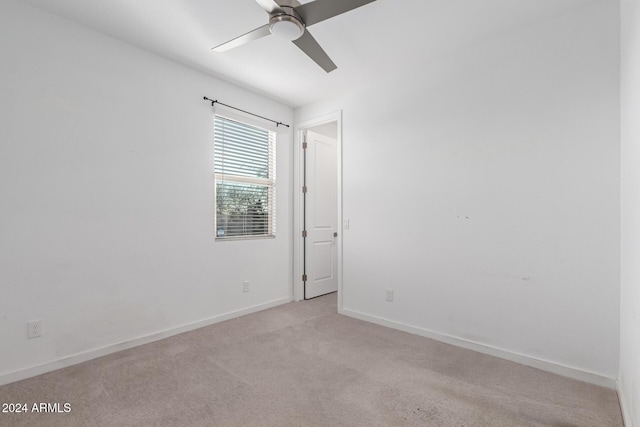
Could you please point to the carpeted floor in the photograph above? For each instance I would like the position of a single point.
(302, 364)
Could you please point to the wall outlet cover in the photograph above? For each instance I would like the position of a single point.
(389, 295)
(34, 329)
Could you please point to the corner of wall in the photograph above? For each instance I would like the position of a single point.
(626, 415)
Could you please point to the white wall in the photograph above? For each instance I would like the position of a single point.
(483, 188)
(106, 197)
(630, 192)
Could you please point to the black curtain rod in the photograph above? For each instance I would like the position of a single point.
(215, 101)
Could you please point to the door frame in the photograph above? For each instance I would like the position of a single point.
(298, 202)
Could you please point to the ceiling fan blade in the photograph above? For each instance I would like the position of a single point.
(319, 10)
(269, 5)
(310, 46)
(245, 38)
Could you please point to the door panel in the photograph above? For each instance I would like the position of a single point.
(321, 215)
(323, 257)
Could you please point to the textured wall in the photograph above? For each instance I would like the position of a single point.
(106, 194)
(630, 158)
(484, 189)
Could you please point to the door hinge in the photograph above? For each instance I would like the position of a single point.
(304, 145)
(304, 277)
(304, 189)
(304, 233)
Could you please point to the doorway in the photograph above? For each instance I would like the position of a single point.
(319, 218)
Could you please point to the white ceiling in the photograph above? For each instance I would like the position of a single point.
(368, 43)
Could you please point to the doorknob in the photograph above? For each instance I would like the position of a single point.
(335, 234)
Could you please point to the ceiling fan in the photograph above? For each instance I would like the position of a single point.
(289, 19)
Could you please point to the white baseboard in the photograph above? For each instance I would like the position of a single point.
(522, 359)
(113, 348)
(626, 416)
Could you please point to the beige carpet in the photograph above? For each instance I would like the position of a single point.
(302, 364)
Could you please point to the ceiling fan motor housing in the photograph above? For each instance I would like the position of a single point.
(286, 23)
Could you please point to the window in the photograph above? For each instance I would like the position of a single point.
(244, 180)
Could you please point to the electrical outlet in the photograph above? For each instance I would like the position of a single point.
(34, 329)
(245, 286)
(389, 295)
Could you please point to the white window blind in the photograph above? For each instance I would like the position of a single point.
(244, 180)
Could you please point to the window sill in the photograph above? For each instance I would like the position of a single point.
(236, 238)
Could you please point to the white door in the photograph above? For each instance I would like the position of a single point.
(321, 215)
